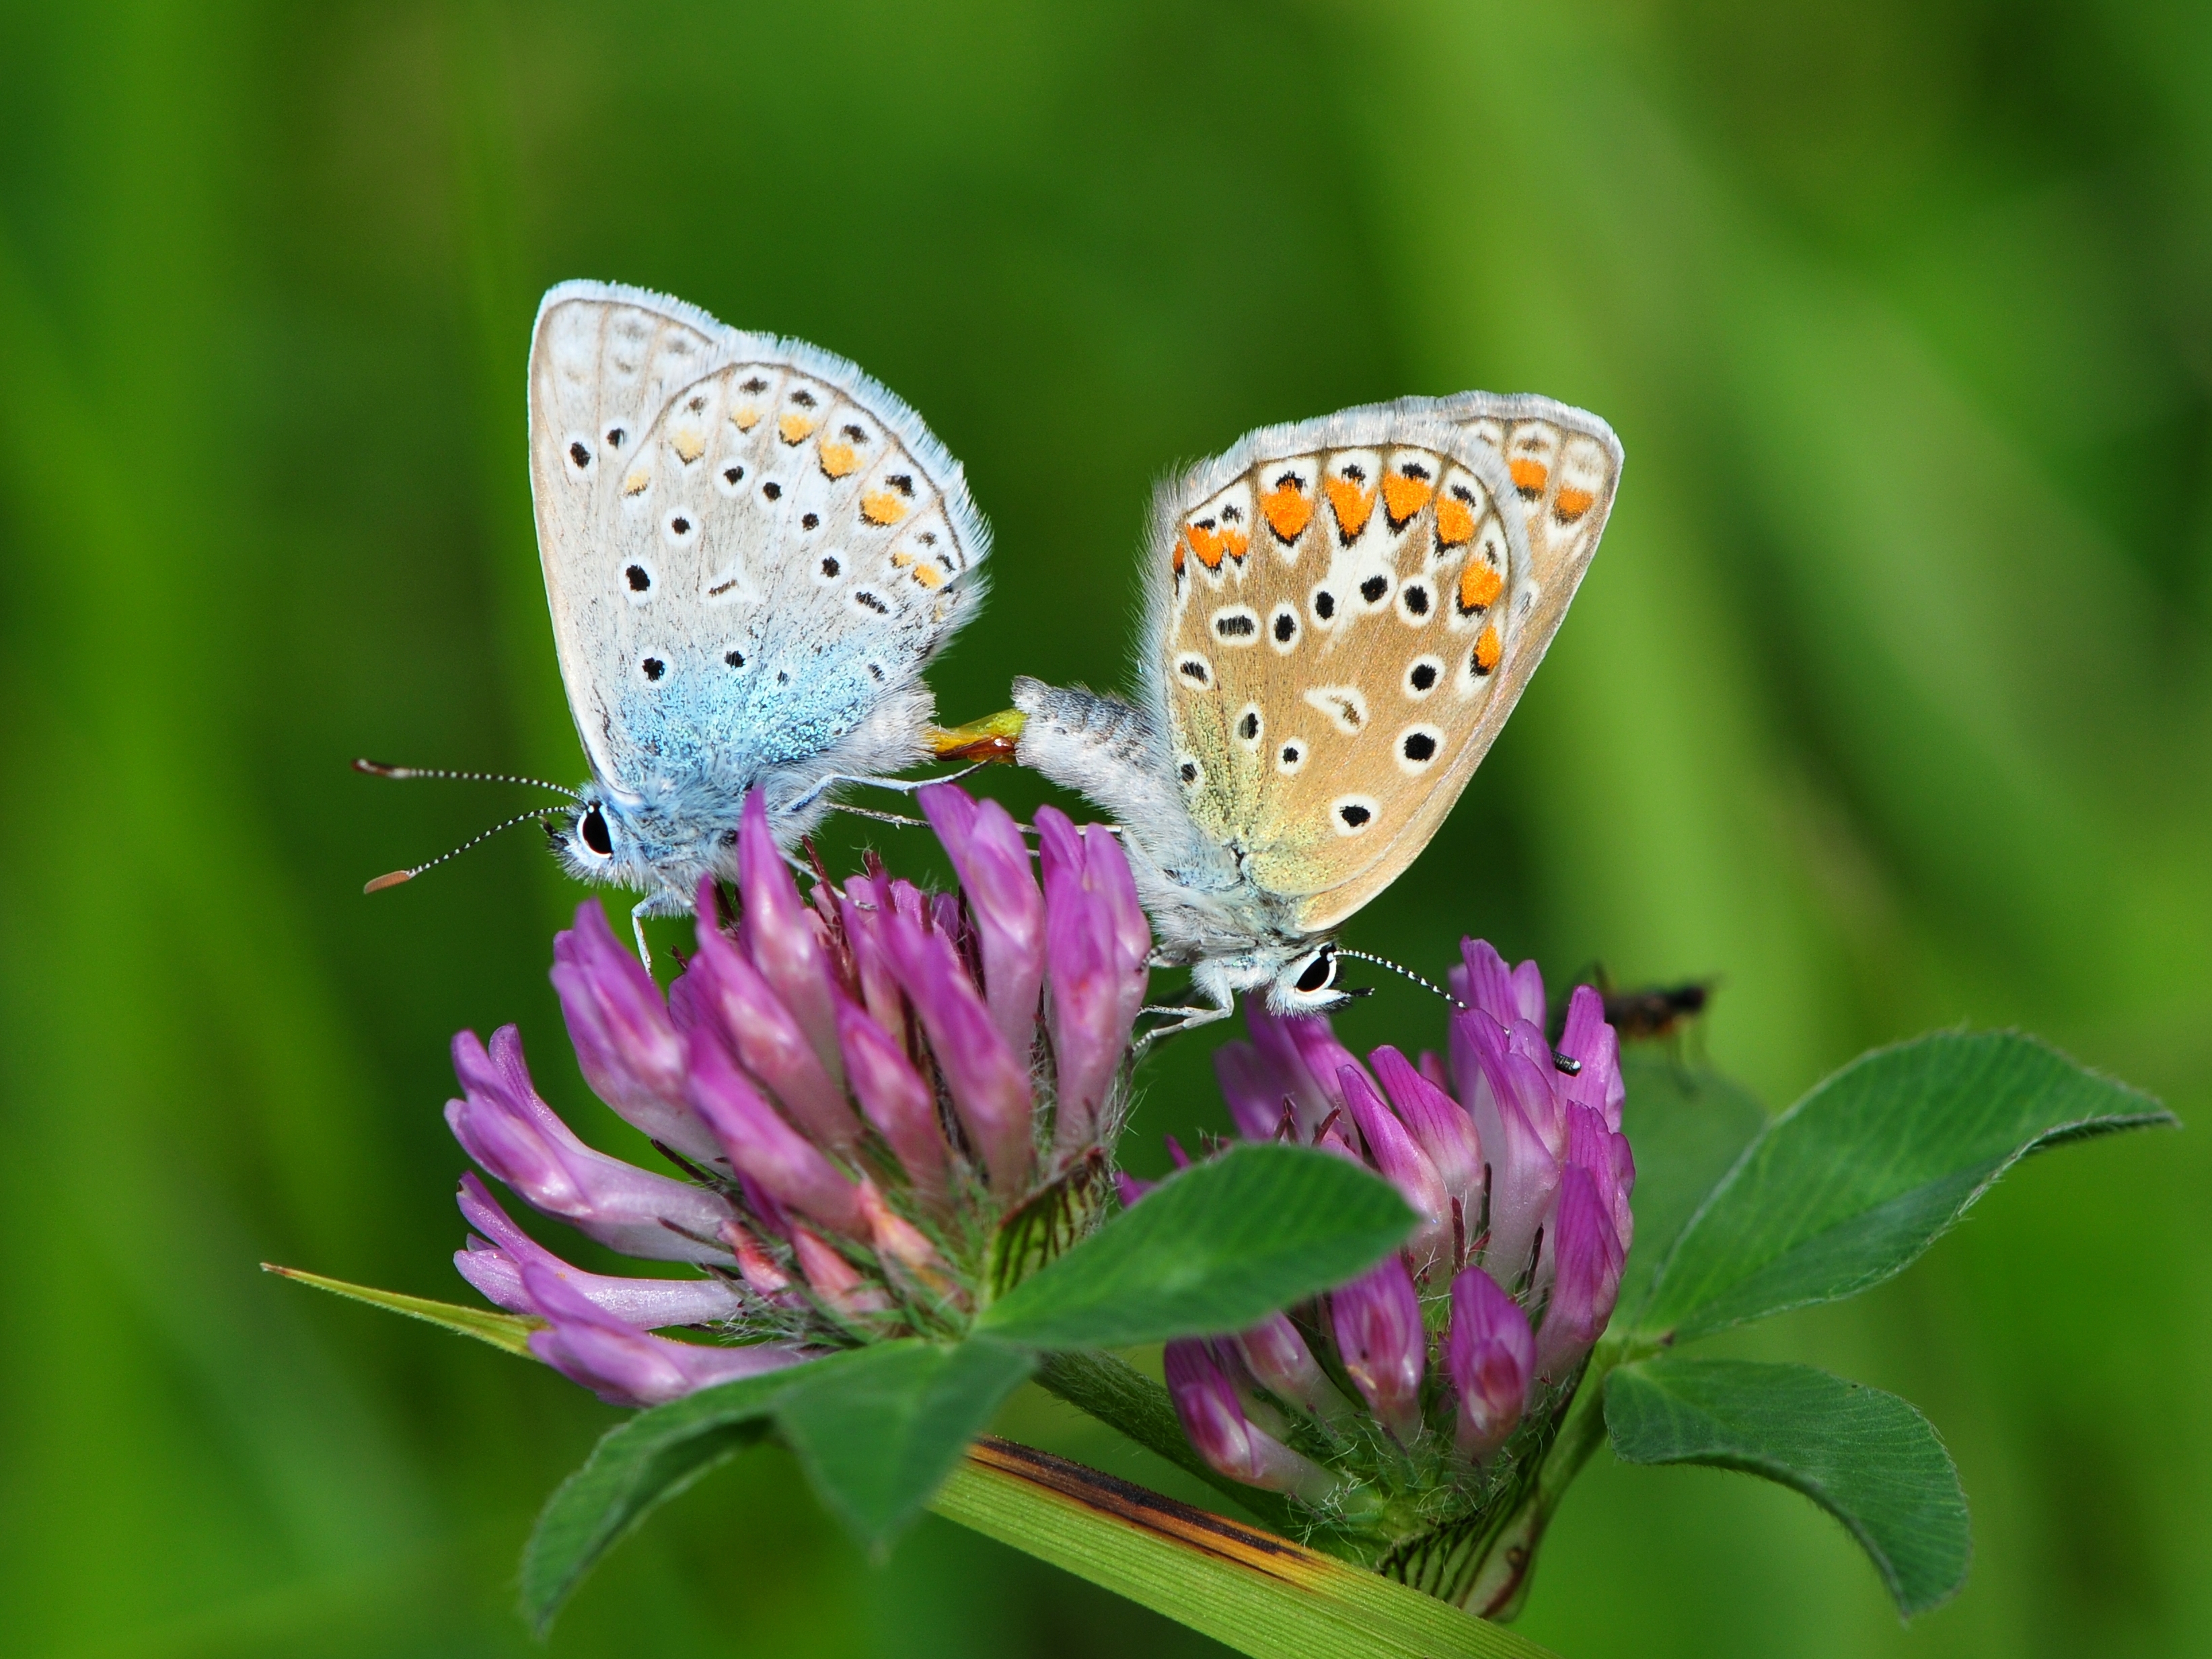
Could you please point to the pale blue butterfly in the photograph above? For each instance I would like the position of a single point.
(751, 549)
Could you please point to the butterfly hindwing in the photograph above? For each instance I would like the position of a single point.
(748, 544)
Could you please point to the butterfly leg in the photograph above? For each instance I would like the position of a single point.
(1220, 1001)
(1179, 1020)
(896, 786)
(899, 818)
(637, 927)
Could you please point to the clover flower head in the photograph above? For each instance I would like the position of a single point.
(869, 1096)
(1427, 1381)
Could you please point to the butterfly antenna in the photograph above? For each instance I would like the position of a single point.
(379, 769)
(398, 876)
(1385, 962)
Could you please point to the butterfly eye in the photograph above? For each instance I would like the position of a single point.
(594, 832)
(1321, 972)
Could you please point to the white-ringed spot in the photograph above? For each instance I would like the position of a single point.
(1283, 628)
(1348, 815)
(678, 528)
(1422, 675)
(1237, 625)
(638, 580)
(1292, 755)
(1250, 728)
(1418, 748)
(1194, 671)
(1416, 604)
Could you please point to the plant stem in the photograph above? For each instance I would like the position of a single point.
(1501, 1584)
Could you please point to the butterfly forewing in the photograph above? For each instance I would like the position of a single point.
(1353, 606)
(746, 543)
(1565, 464)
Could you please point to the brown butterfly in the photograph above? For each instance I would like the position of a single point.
(1341, 615)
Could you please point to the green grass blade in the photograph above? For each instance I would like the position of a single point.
(510, 1332)
(1261, 1595)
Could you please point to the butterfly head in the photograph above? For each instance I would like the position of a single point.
(1306, 983)
(605, 839)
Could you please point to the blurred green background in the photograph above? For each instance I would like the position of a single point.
(1886, 700)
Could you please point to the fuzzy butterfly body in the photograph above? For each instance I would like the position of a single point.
(1342, 613)
(751, 550)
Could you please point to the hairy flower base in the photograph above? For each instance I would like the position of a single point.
(1404, 1415)
(881, 1107)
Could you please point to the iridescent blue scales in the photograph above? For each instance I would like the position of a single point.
(750, 551)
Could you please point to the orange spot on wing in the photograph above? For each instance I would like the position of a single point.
(1455, 522)
(635, 484)
(881, 507)
(1480, 585)
(1529, 476)
(1206, 543)
(745, 418)
(1353, 505)
(689, 447)
(1488, 650)
(1288, 512)
(1178, 555)
(1572, 503)
(794, 427)
(1403, 496)
(837, 459)
(929, 576)
(1234, 542)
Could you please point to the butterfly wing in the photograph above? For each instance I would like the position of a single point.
(1344, 614)
(1564, 465)
(748, 544)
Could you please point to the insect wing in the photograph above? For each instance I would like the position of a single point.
(1345, 612)
(747, 543)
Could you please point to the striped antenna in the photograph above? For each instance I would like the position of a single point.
(1385, 962)
(398, 876)
(380, 769)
